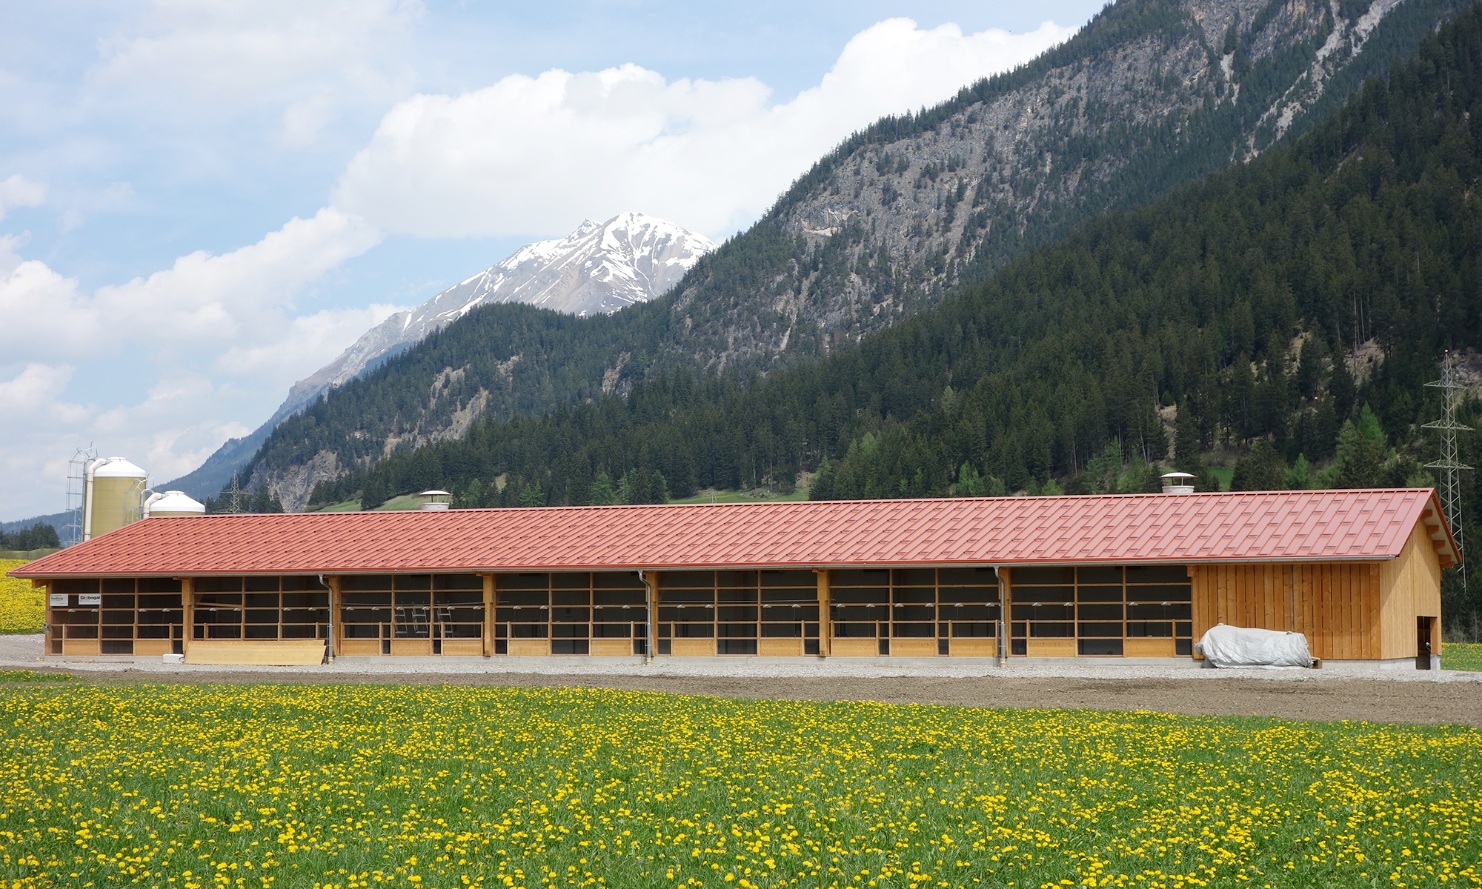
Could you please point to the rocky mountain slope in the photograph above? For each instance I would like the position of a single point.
(1150, 95)
(597, 269)
(1153, 93)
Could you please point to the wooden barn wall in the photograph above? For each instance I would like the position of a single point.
(1410, 588)
(1334, 604)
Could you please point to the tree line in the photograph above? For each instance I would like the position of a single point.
(38, 536)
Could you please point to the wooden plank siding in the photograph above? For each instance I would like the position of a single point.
(1336, 605)
(1411, 588)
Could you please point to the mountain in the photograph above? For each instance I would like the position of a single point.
(1151, 95)
(596, 270)
(1286, 313)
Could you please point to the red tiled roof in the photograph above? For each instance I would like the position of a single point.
(1276, 526)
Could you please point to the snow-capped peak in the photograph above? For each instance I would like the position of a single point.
(597, 269)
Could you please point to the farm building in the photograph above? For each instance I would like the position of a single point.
(1131, 576)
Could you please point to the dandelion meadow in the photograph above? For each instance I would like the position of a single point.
(22, 607)
(1462, 656)
(434, 786)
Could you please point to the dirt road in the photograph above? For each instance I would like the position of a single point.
(1374, 700)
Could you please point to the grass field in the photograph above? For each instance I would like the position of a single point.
(711, 496)
(22, 607)
(1462, 656)
(426, 786)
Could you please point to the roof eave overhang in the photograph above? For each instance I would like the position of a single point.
(729, 566)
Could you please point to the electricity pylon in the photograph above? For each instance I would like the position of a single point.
(1452, 389)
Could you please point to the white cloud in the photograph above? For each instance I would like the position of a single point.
(181, 332)
(170, 432)
(185, 58)
(210, 300)
(43, 311)
(306, 344)
(18, 191)
(203, 301)
(173, 430)
(528, 155)
(38, 387)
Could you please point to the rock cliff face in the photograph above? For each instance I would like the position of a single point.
(1152, 94)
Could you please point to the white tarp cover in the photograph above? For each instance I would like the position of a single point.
(1226, 646)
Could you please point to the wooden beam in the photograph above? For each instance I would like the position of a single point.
(825, 626)
(1003, 576)
(337, 628)
(651, 599)
(488, 628)
(264, 652)
(187, 602)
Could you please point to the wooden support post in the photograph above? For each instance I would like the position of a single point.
(188, 620)
(651, 600)
(1004, 624)
(825, 626)
(336, 622)
(49, 625)
(488, 628)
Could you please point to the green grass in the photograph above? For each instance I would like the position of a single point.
(10, 676)
(412, 501)
(25, 555)
(1462, 656)
(404, 502)
(713, 496)
(429, 786)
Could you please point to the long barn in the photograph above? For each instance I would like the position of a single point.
(1132, 576)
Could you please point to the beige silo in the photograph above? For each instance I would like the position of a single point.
(114, 496)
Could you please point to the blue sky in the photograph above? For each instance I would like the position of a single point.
(202, 202)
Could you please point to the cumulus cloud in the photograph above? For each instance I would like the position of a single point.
(185, 58)
(36, 387)
(209, 299)
(18, 191)
(221, 336)
(44, 312)
(305, 344)
(203, 301)
(529, 154)
(169, 432)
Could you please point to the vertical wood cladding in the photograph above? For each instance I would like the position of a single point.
(1336, 605)
(1412, 589)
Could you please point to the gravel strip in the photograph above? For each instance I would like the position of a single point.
(1375, 695)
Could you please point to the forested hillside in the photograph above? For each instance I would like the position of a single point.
(1152, 94)
(1288, 311)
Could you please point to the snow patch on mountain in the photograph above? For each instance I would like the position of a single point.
(596, 270)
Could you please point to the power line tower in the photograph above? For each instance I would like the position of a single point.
(1452, 389)
(234, 495)
(77, 493)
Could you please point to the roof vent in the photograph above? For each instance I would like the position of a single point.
(436, 501)
(1178, 482)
